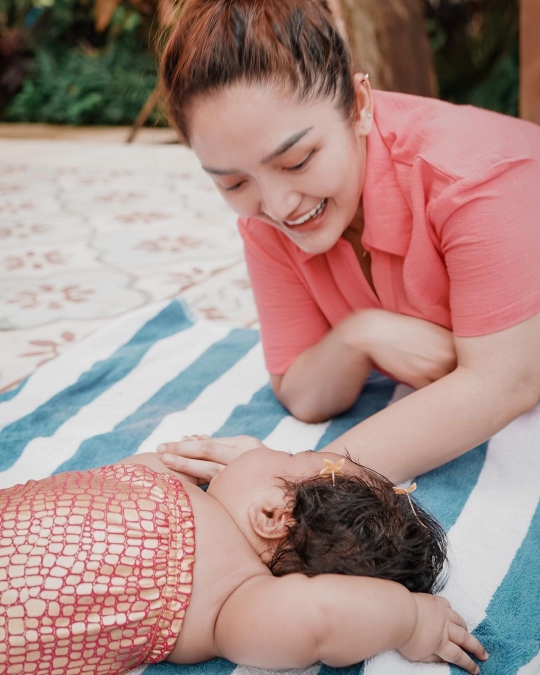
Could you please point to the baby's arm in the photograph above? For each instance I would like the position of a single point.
(295, 621)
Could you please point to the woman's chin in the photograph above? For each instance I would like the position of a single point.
(317, 242)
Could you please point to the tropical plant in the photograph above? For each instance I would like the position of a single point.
(84, 69)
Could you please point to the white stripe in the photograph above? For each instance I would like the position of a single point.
(532, 668)
(65, 370)
(291, 435)
(216, 403)
(496, 517)
(161, 363)
(400, 392)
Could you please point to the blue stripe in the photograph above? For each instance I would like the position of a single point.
(258, 418)
(357, 669)
(444, 491)
(214, 667)
(511, 629)
(174, 396)
(375, 396)
(47, 418)
(8, 395)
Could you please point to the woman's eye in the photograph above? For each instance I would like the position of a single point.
(301, 165)
(234, 187)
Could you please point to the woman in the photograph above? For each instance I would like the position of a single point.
(379, 229)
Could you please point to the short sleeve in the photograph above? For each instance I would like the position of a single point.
(490, 240)
(290, 319)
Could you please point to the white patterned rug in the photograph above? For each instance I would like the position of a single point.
(89, 232)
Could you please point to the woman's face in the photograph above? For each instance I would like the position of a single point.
(299, 167)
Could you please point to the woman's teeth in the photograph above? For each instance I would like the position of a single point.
(312, 214)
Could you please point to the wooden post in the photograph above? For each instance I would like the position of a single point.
(389, 40)
(529, 52)
(144, 114)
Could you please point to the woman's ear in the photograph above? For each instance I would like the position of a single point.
(270, 521)
(364, 104)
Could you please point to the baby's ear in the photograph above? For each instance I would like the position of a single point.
(270, 521)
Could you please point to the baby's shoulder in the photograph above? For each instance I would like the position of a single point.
(224, 560)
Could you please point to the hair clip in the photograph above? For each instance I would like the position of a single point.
(331, 469)
(407, 491)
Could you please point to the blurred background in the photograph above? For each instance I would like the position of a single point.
(93, 228)
(94, 62)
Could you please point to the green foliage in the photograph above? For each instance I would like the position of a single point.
(475, 44)
(78, 76)
(78, 88)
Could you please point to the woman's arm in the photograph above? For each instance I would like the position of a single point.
(293, 622)
(326, 379)
(152, 460)
(496, 380)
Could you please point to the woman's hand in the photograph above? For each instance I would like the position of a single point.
(411, 350)
(440, 634)
(203, 457)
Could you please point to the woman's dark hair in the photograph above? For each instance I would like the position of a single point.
(288, 43)
(361, 526)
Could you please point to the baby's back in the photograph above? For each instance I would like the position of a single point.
(98, 567)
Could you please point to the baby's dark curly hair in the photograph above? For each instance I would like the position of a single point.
(360, 526)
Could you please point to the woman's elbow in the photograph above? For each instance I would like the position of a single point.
(299, 407)
(304, 411)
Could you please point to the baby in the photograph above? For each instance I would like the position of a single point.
(283, 562)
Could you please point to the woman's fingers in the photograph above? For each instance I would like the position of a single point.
(208, 449)
(220, 450)
(196, 468)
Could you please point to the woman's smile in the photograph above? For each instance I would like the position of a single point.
(310, 221)
(294, 166)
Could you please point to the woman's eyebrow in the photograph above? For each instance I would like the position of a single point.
(286, 145)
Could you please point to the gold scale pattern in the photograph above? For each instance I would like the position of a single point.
(95, 571)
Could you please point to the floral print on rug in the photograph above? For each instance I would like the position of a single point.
(89, 232)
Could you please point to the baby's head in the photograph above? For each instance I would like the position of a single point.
(357, 524)
(299, 521)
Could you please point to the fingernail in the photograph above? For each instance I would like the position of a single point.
(161, 448)
(167, 459)
(477, 670)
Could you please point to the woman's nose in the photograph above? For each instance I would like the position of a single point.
(279, 203)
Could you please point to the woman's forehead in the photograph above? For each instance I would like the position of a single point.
(242, 111)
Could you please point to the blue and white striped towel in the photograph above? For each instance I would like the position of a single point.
(156, 375)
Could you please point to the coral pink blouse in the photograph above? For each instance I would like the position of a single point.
(452, 222)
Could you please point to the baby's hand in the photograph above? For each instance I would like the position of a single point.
(440, 634)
